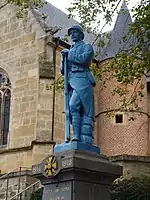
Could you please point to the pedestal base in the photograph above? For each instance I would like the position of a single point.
(81, 175)
(76, 146)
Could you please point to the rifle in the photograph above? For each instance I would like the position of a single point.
(67, 113)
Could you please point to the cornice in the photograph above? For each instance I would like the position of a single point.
(26, 148)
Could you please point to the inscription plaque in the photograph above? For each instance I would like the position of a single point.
(57, 191)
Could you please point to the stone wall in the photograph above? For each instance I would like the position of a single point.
(19, 49)
(11, 159)
(17, 182)
(59, 108)
(22, 42)
(134, 165)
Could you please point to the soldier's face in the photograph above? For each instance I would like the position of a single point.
(75, 35)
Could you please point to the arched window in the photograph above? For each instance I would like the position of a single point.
(5, 97)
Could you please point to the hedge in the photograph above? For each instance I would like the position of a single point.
(131, 188)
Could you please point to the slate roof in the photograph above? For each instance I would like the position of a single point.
(56, 17)
(121, 28)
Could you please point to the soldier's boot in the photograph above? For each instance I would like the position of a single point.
(87, 130)
(76, 125)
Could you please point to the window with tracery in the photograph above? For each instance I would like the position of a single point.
(5, 98)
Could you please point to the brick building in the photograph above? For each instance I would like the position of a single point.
(32, 118)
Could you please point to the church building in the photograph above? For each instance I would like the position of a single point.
(32, 108)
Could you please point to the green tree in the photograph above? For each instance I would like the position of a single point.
(131, 188)
(37, 195)
(24, 5)
(129, 67)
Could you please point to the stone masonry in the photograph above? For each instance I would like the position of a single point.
(22, 42)
(14, 183)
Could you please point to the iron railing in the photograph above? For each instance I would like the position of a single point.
(7, 176)
(25, 194)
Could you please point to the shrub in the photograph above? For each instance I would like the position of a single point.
(37, 195)
(131, 188)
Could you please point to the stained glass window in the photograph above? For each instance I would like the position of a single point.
(5, 98)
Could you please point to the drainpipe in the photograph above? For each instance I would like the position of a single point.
(56, 40)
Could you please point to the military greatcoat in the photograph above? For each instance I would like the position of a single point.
(79, 76)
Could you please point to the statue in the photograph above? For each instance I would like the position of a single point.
(79, 83)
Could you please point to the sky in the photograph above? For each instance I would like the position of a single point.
(64, 4)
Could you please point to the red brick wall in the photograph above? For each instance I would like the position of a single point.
(130, 137)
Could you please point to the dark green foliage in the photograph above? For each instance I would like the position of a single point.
(37, 195)
(129, 67)
(131, 188)
(23, 5)
(90, 12)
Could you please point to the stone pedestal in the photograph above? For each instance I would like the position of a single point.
(79, 175)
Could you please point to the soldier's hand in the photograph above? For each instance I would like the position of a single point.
(65, 52)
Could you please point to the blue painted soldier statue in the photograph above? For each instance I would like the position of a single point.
(80, 85)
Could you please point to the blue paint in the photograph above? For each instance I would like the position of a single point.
(76, 146)
(79, 94)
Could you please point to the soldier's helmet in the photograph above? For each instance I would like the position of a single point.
(76, 27)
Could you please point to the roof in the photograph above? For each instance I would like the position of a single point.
(57, 18)
(120, 30)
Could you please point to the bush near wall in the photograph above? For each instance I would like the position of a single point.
(37, 195)
(131, 188)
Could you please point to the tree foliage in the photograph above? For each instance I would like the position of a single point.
(131, 188)
(23, 5)
(129, 67)
(37, 195)
(90, 12)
